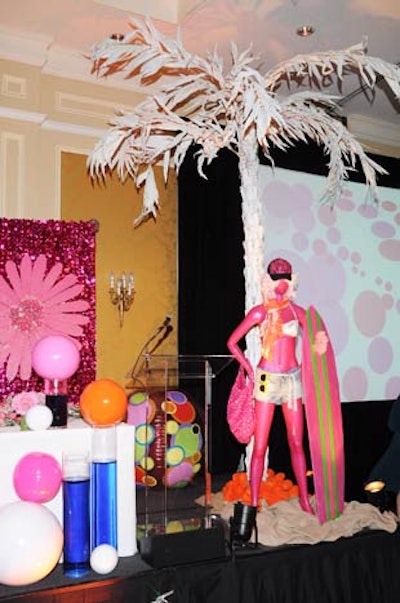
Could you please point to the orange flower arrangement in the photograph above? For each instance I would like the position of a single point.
(273, 489)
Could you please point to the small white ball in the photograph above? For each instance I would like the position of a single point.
(104, 559)
(39, 417)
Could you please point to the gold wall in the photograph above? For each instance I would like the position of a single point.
(147, 250)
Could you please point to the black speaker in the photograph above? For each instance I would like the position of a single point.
(164, 550)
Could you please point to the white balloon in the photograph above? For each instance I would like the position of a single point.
(104, 559)
(31, 543)
(39, 417)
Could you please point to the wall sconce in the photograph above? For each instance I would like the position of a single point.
(122, 291)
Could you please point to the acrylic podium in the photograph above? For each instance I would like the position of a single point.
(170, 406)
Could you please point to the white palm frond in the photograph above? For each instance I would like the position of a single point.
(304, 119)
(150, 195)
(314, 68)
(147, 54)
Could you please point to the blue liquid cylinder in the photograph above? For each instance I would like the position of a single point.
(104, 503)
(76, 523)
(104, 488)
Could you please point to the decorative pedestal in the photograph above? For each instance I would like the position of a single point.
(14, 444)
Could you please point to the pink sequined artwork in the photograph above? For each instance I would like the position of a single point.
(47, 286)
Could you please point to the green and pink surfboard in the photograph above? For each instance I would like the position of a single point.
(324, 421)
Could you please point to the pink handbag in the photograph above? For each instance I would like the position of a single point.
(240, 408)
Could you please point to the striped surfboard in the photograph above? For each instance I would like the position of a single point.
(324, 421)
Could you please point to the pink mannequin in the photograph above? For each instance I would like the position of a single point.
(278, 319)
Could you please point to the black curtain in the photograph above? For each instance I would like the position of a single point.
(211, 282)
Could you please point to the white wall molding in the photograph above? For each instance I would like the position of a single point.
(49, 124)
(75, 129)
(87, 106)
(21, 115)
(172, 11)
(22, 47)
(14, 87)
(12, 174)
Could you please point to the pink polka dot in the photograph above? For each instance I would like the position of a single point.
(343, 253)
(390, 249)
(279, 197)
(300, 241)
(392, 388)
(383, 230)
(368, 211)
(354, 384)
(369, 313)
(319, 246)
(333, 235)
(389, 206)
(346, 203)
(303, 219)
(323, 279)
(388, 301)
(380, 355)
(326, 215)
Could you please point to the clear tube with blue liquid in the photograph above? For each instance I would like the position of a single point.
(103, 480)
(76, 513)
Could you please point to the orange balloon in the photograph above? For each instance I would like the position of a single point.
(103, 402)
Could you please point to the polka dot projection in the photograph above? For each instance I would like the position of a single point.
(73, 245)
(346, 258)
(169, 440)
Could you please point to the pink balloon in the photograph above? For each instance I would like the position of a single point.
(37, 477)
(55, 357)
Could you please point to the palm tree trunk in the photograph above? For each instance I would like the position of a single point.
(253, 243)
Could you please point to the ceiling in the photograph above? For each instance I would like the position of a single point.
(58, 34)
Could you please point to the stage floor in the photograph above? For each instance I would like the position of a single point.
(363, 568)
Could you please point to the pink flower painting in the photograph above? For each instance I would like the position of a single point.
(35, 303)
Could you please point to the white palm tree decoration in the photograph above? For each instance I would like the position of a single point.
(240, 110)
